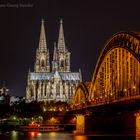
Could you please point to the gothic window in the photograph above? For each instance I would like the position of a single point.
(32, 91)
(57, 89)
(50, 95)
(42, 63)
(62, 63)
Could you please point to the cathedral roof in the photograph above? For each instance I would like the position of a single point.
(48, 76)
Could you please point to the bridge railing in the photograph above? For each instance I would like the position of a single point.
(94, 103)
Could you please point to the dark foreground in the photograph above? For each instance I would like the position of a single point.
(15, 135)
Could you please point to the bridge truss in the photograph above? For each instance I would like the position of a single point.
(117, 73)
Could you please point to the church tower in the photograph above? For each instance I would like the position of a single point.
(61, 56)
(42, 63)
(57, 84)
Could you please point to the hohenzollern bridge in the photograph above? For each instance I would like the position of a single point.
(117, 73)
(115, 83)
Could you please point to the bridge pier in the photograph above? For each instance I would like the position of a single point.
(123, 123)
(137, 115)
(80, 124)
(84, 124)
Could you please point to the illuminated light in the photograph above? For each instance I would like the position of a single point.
(105, 95)
(111, 94)
(134, 87)
(14, 118)
(33, 124)
(101, 97)
(39, 134)
(44, 109)
(40, 117)
(32, 134)
(125, 89)
(53, 120)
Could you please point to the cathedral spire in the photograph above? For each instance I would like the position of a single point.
(61, 40)
(42, 63)
(42, 41)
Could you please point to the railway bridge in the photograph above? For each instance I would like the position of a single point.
(115, 85)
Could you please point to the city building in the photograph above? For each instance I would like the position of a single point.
(16, 99)
(52, 81)
(4, 96)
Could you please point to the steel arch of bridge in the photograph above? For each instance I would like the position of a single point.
(117, 72)
(129, 41)
(81, 96)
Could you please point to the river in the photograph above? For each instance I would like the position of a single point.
(15, 135)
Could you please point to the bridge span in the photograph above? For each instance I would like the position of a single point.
(116, 78)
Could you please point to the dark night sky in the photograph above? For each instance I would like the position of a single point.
(87, 26)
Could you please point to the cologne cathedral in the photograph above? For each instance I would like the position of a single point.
(52, 81)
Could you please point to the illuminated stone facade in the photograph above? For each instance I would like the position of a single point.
(58, 83)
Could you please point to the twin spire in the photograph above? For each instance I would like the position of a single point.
(42, 42)
(61, 40)
(42, 63)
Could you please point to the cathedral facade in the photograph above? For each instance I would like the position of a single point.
(52, 81)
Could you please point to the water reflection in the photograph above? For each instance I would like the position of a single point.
(49, 136)
(33, 134)
(14, 135)
(80, 138)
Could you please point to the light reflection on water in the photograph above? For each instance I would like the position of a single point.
(49, 136)
(14, 135)
(80, 138)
